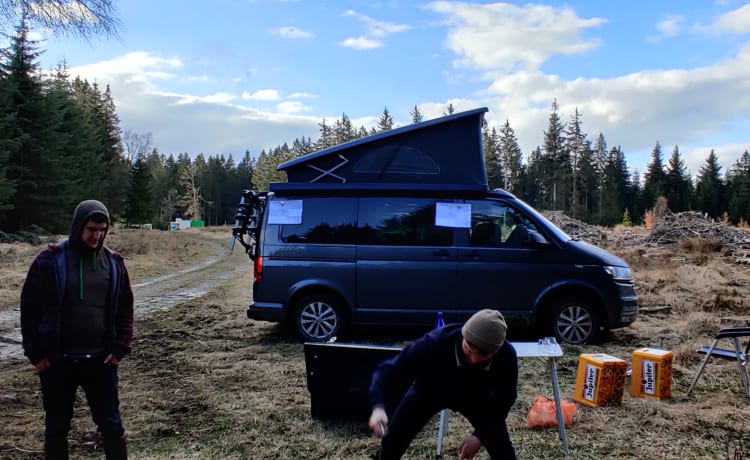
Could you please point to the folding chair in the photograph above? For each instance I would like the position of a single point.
(734, 333)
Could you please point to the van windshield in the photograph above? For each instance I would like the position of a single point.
(561, 235)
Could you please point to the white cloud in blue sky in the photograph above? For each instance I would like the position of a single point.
(233, 75)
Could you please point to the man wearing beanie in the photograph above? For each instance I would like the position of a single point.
(77, 325)
(470, 369)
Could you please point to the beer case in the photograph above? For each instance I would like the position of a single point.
(652, 373)
(600, 379)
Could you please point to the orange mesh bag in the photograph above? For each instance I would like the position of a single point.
(542, 412)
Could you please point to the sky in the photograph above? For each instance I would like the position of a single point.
(221, 77)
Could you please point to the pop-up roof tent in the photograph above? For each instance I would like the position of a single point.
(445, 152)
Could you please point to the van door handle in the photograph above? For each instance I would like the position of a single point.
(442, 253)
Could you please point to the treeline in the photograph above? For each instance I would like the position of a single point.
(61, 142)
(569, 172)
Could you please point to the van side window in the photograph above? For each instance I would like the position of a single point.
(325, 220)
(401, 222)
(497, 225)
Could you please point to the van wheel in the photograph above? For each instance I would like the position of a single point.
(573, 320)
(318, 317)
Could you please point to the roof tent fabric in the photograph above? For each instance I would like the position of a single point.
(442, 151)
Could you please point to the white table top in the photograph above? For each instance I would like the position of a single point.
(531, 350)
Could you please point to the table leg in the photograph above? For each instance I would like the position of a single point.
(558, 406)
(442, 431)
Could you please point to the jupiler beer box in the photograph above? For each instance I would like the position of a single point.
(600, 379)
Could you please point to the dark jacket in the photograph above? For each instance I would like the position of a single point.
(437, 365)
(42, 301)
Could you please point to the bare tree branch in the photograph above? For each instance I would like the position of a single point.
(84, 18)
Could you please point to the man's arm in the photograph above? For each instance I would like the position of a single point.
(508, 384)
(400, 368)
(32, 295)
(123, 314)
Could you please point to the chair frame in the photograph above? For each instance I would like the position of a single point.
(734, 333)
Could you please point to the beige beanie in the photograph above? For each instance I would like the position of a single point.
(486, 330)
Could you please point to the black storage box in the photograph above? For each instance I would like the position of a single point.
(338, 379)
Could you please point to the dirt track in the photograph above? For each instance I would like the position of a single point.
(157, 293)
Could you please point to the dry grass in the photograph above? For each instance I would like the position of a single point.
(205, 382)
(147, 253)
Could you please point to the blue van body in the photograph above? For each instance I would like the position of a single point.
(393, 238)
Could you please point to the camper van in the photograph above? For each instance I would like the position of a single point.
(392, 229)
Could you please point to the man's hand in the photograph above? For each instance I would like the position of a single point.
(378, 421)
(42, 365)
(110, 359)
(469, 447)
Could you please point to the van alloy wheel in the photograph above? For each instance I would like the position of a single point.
(318, 318)
(575, 321)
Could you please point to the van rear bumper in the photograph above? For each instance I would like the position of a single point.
(262, 311)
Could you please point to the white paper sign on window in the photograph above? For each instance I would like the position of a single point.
(453, 215)
(285, 212)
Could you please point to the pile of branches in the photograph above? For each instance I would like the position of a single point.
(575, 228)
(674, 228)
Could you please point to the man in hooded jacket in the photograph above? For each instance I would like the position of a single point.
(77, 325)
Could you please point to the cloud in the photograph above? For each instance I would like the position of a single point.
(292, 32)
(670, 27)
(735, 21)
(217, 98)
(361, 43)
(302, 96)
(505, 36)
(634, 110)
(262, 95)
(376, 30)
(213, 124)
(292, 107)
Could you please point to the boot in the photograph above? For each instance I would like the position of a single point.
(114, 448)
(56, 448)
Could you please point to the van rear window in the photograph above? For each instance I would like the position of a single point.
(325, 220)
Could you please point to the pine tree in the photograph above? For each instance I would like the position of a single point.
(581, 164)
(556, 173)
(35, 165)
(511, 159)
(655, 178)
(416, 115)
(678, 188)
(327, 136)
(614, 182)
(738, 188)
(710, 188)
(535, 192)
(492, 159)
(139, 207)
(9, 144)
(385, 122)
(343, 131)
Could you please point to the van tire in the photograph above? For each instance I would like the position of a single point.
(318, 317)
(573, 320)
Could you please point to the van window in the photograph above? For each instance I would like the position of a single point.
(401, 222)
(325, 220)
(496, 224)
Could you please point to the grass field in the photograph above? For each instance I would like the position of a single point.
(204, 382)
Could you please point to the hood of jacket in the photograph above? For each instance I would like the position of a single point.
(84, 211)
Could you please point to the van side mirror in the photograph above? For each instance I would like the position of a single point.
(536, 240)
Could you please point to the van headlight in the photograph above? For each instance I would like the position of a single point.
(619, 273)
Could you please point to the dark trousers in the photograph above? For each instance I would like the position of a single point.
(60, 383)
(416, 409)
